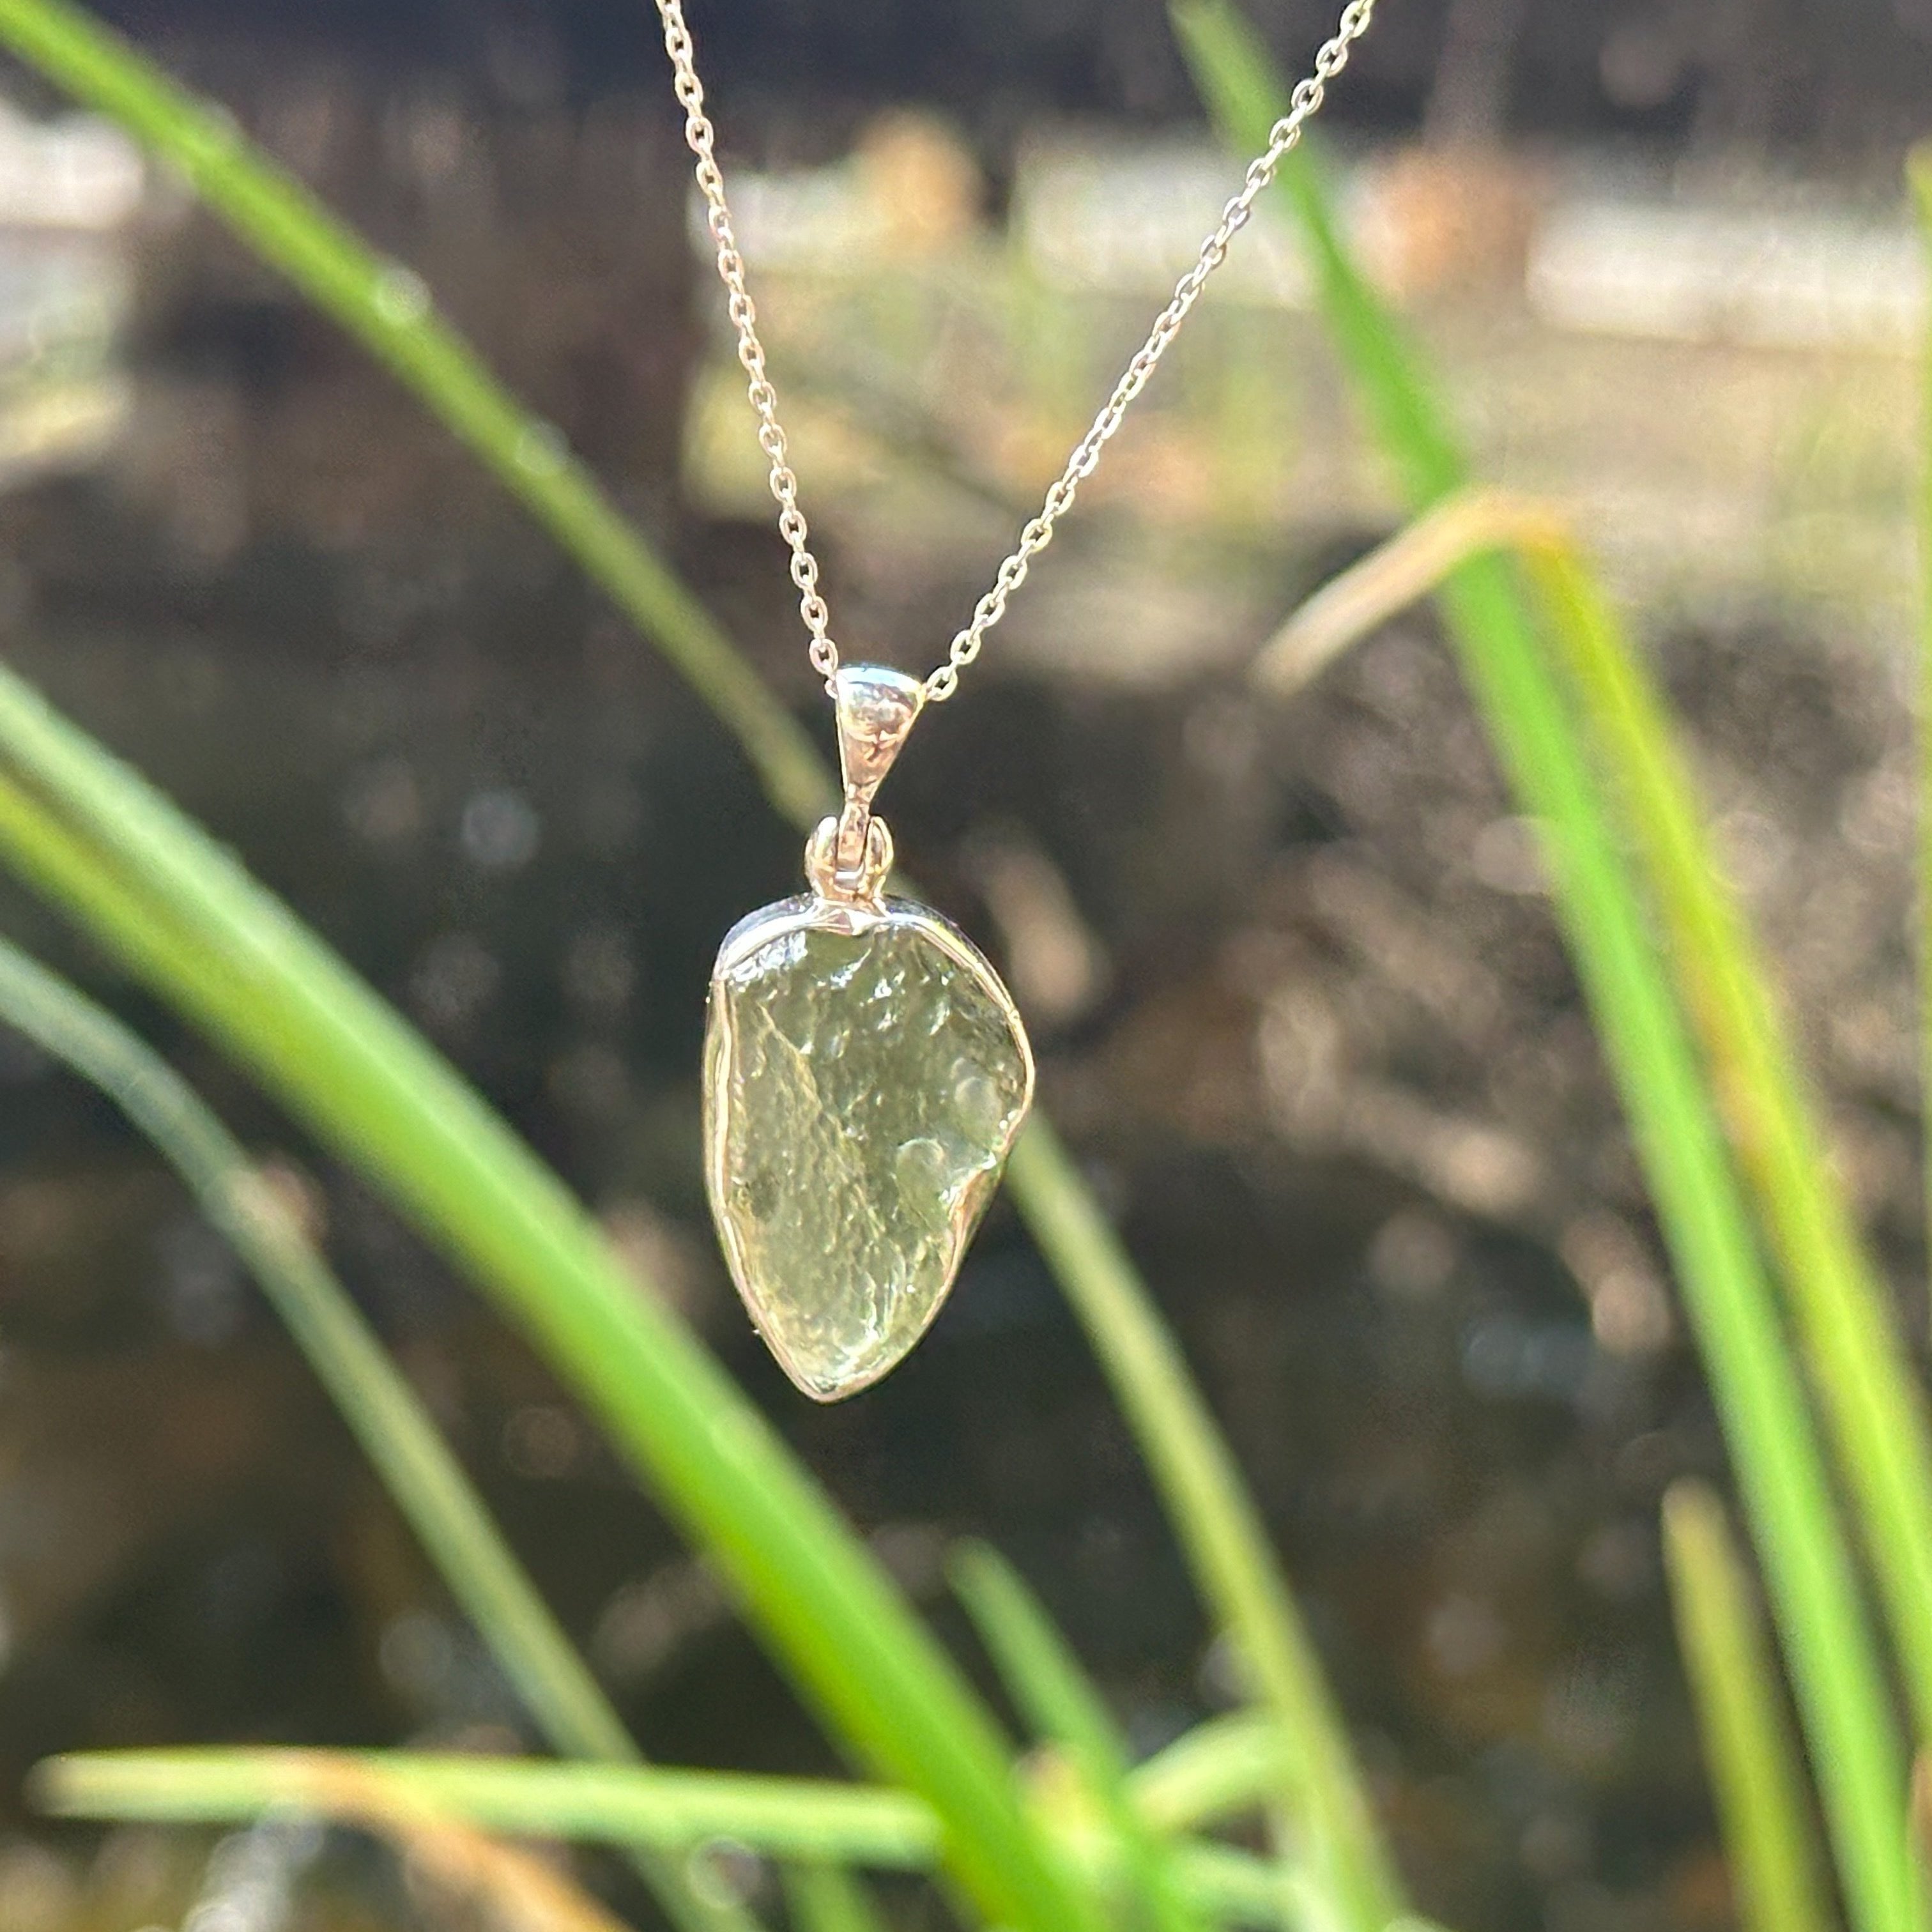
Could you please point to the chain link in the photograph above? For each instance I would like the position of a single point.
(1036, 534)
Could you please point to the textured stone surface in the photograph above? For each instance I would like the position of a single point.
(863, 1087)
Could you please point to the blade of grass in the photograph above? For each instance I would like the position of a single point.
(383, 1411)
(1855, 1747)
(1857, 1358)
(802, 1821)
(1045, 1681)
(826, 1898)
(673, 1811)
(1235, 1888)
(1871, 1396)
(1215, 1522)
(1753, 1758)
(385, 307)
(1218, 1769)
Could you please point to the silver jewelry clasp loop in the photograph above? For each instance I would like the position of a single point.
(856, 881)
(848, 856)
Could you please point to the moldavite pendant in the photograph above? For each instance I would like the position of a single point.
(866, 1075)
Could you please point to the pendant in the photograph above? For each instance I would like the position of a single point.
(865, 1076)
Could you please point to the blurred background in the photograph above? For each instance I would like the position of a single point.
(1301, 1007)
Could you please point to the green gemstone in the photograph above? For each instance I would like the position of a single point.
(866, 1075)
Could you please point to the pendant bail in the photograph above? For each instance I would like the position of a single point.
(849, 855)
(877, 706)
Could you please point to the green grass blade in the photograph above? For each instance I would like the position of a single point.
(827, 1898)
(1857, 1358)
(1235, 1889)
(1053, 1694)
(381, 1409)
(1216, 1521)
(672, 1810)
(801, 1821)
(1219, 1769)
(1244, 95)
(1870, 1394)
(1834, 1661)
(386, 308)
(395, 1431)
(1753, 1758)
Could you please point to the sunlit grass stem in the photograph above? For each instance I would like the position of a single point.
(1064, 1709)
(1215, 1522)
(798, 1821)
(1752, 1757)
(383, 1413)
(1870, 1393)
(828, 1898)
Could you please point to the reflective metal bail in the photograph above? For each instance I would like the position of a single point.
(849, 855)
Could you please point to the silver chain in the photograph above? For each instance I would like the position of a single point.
(1035, 536)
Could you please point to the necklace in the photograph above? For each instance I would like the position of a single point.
(866, 1073)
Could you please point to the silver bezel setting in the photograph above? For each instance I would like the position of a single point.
(810, 912)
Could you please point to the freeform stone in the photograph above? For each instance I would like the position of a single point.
(865, 1076)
